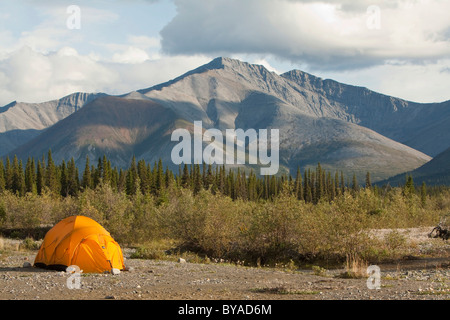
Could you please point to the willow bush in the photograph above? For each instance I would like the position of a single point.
(270, 231)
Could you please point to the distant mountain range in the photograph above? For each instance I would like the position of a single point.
(435, 172)
(343, 127)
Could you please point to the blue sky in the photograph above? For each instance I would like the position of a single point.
(401, 49)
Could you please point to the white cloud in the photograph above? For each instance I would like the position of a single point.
(329, 38)
(326, 34)
(30, 76)
(131, 55)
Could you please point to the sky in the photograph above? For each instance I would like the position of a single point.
(52, 48)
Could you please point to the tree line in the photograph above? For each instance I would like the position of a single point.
(311, 185)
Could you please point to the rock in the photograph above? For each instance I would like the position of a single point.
(27, 264)
(115, 271)
(181, 260)
(110, 297)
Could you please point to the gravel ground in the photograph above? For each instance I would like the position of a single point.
(413, 279)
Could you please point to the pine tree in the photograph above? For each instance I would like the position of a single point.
(368, 182)
(8, 175)
(40, 179)
(115, 179)
(169, 178)
(221, 182)
(423, 194)
(298, 189)
(160, 181)
(273, 187)
(342, 183)
(2, 176)
(243, 183)
(307, 186)
(18, 179)
(73, 182)
(122, 183)
(185, 178)
(333, 188)
(409, 189)
(252, 187)
(336, 184)
(143, 176)
(63, 181)
(106, 171)
(355, 185)
(132, 178)
(30, 177)
(51, 178)
(197, 183)
(86, 181)
(209, 179)
(319, 184)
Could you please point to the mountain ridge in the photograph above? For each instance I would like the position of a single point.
(320, 120)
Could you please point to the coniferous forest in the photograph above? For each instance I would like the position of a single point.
(65, 179)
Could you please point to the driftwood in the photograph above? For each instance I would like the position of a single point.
(442, 230)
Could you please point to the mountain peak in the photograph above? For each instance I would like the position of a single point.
(220, 63)
(10, 105)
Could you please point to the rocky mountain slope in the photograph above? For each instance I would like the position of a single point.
(20, 122)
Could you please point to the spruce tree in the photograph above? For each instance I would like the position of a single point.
(355, 185)
(73, 182)
(221, 179)
(160, 181)
(51, 178)
(298, 189)
(132, 178)
(423, 194)
(197, 183)
(122, 183)
(336, 183)
(63, 181)
(368, 182)
(143, 176)
(2, 176)
(30, 176)
(86, 181)
(106, 171)
(409, 189)
(18, 179)
(40, 179)
(307, 186)
(8, 175)
(185, 178)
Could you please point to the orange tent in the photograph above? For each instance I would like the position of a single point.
(82, 242)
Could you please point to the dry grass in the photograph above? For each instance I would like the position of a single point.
(355, 268)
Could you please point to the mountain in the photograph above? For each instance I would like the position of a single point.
(112, 126)
(21, 122)
(343, 127)
(435, 172)
(422, 126)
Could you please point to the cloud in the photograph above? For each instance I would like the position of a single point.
(132, 55)
(30, 76)
(326, 35)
